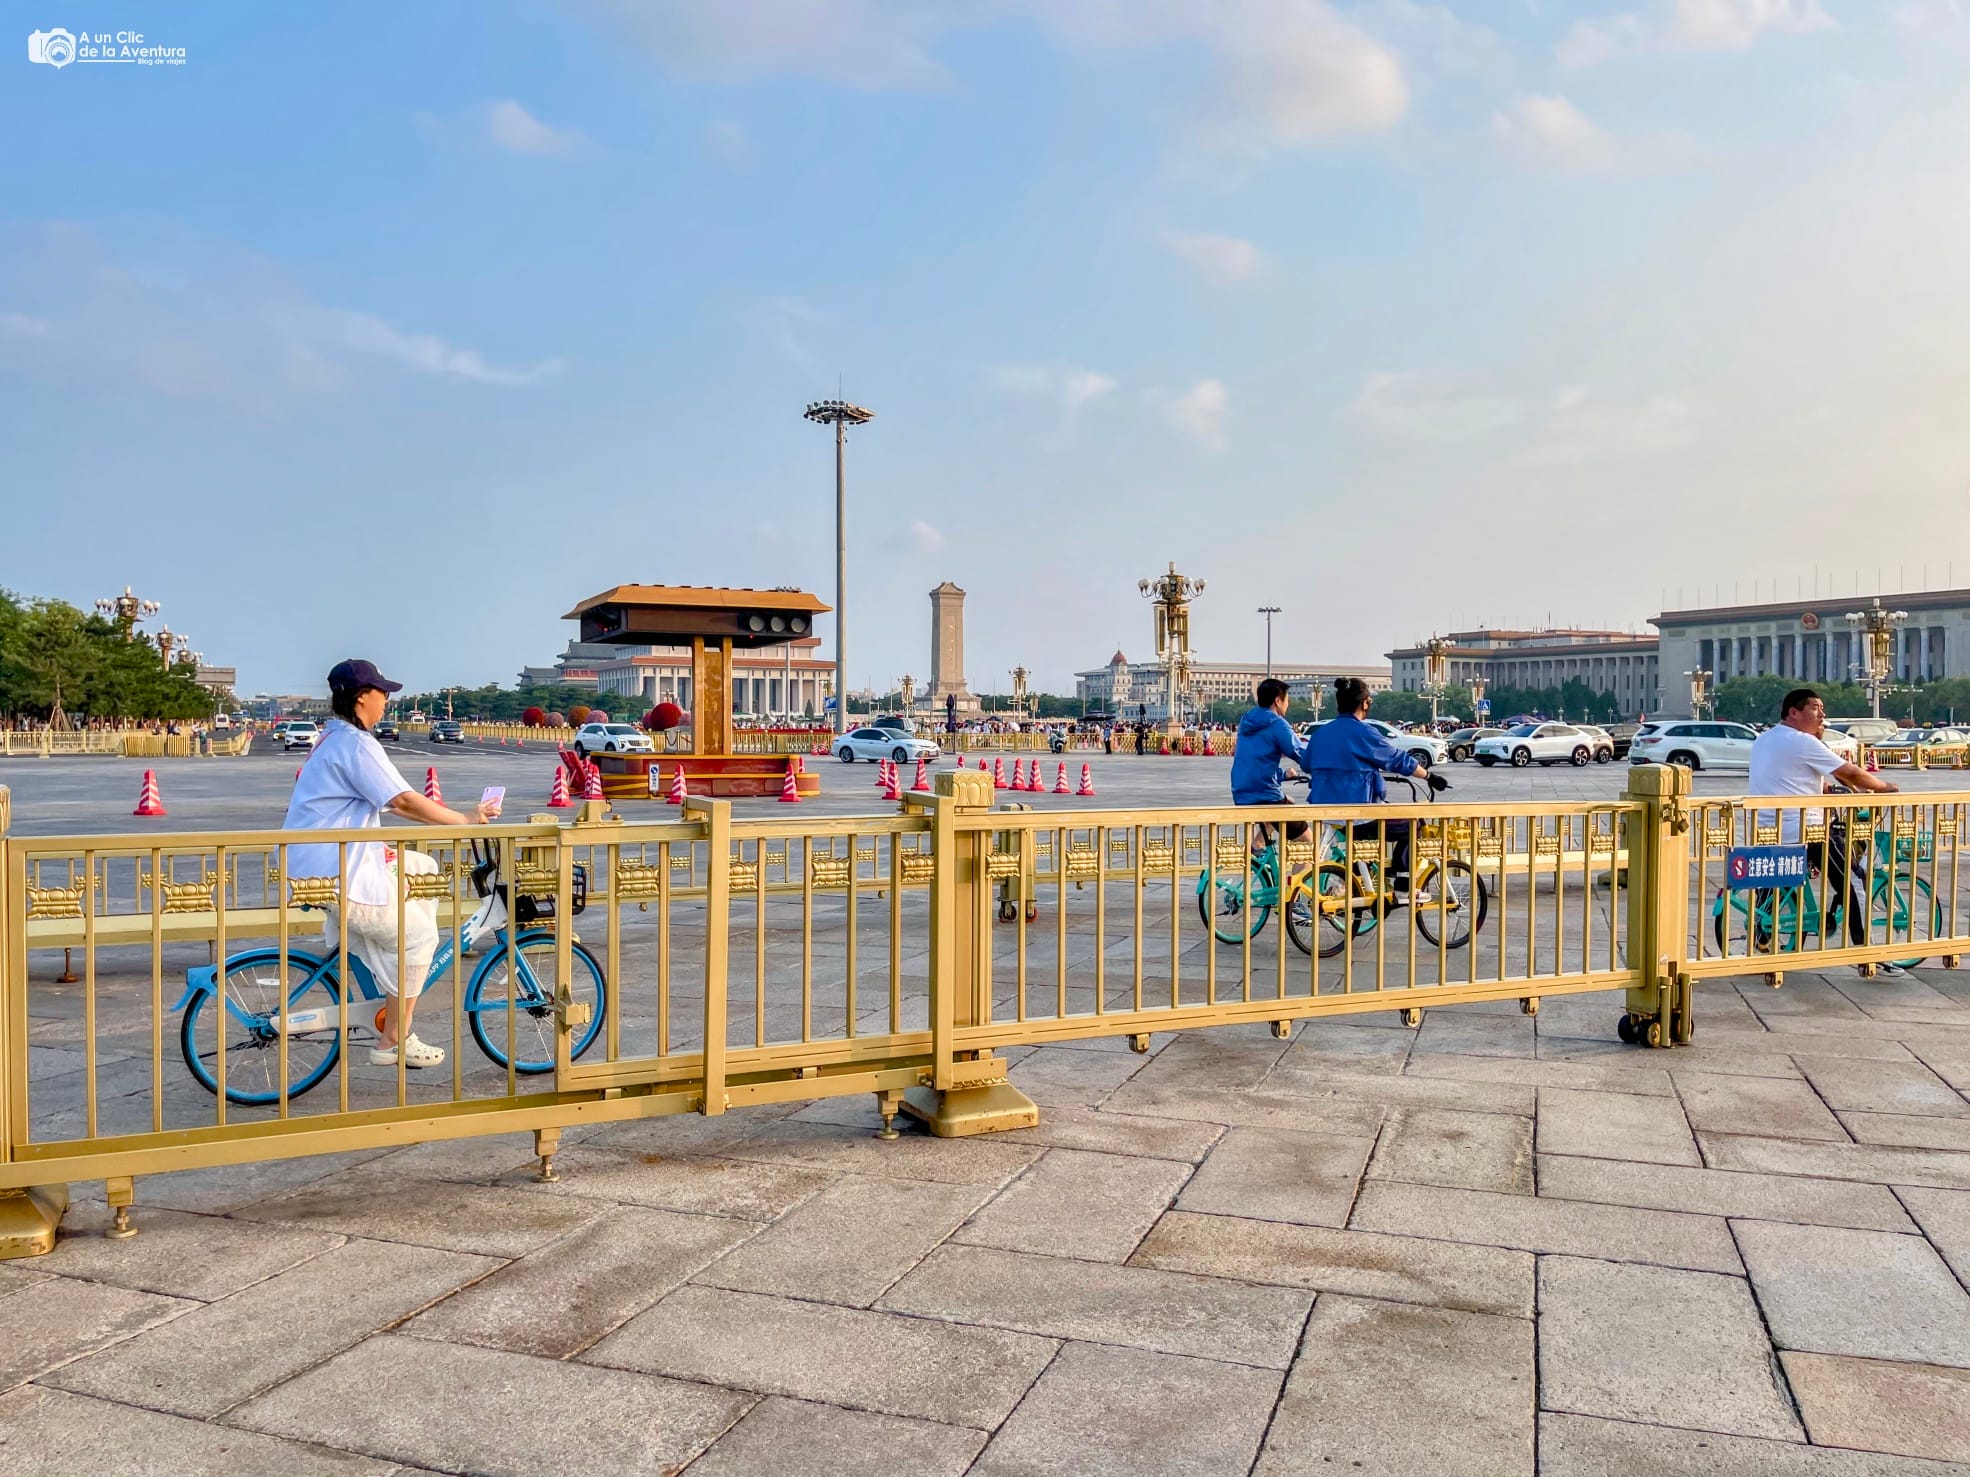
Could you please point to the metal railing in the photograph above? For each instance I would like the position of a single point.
(704, 962)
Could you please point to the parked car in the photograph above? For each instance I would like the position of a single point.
(895, 723)
(1603, 742)
(1427, 748)
(1622, 734)
(1538, 743)
(883, 743)
(445, 731)
(1461, 743)
(1867, 730)
(296, 733)
(1694, 745)
(386, 731)
(612, 738)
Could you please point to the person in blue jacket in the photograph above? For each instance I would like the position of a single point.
(1265, 741)
(1345, 760)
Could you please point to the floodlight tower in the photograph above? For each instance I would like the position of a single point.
(1268, 611)
(1879, 627)
(841, 415)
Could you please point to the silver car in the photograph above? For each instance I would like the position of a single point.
(883, 743)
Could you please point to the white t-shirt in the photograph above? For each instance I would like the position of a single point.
(1785, 761)
(347, 783)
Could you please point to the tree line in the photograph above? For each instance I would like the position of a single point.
(54, 656)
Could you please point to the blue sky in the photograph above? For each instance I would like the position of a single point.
(396, 330)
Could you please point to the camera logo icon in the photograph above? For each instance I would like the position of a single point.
(54, 48)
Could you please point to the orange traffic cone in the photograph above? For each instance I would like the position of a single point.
(1060, 786)
(431, 790)
(789, 792)
(891, 789)
(1087, 780)
(1018, 776)
(981, 763)
(678, 793)
(151, 803)
(882, 774)
(1872, 766)
(922, 780)
(591, 782)
(1210, 751)
(999, 773)
(557, 795)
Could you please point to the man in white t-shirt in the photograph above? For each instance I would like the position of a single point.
(1791, 759)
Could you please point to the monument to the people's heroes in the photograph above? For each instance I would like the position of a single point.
(947, 652)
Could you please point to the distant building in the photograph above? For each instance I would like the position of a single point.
(1618, 664)
(1124, 689)
(783, 680)
(575, 667)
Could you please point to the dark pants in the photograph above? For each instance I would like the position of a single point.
(1830, 856)
(1397, 833)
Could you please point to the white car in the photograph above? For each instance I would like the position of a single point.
(1541, 743)
(296, 733)
(612, 738)
(1694, 745)
(883, 743)
(1428, 749)
(1601, 739)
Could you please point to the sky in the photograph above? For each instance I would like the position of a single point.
(395, 331)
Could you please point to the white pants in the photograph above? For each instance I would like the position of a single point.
(373, 931)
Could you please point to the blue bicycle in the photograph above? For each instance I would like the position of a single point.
(525, 966)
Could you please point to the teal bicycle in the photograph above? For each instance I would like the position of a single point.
(1776, 920)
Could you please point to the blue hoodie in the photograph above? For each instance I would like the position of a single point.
(1264, 739)
(1345, 760)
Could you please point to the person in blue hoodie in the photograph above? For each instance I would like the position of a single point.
(1265, 741)
(1345, 760)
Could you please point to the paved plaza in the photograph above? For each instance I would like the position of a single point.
(1495, 1244)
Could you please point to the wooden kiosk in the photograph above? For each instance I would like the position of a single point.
(713, 623)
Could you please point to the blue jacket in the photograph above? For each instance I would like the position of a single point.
(1345, 761)
(1264, 739)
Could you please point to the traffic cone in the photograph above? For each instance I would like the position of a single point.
(1018, 776)
(882, 774)
(431, 790)
(981, 762)
(1060, 786)
(557, 795)
(1872, 766)
(591, 781)
(1210, 750)
(890, 784)
(151, 803)
(789, 792)
(999, 773)
(678, 793)
(1087, 780)
(922, 781)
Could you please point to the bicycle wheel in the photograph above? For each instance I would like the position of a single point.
(1329, 883)
(1885, 927)
(253, 986)
(1741, 936)
(534, 988)
(1221, 904)
(1450, 894)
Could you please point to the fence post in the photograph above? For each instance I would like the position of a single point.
(717, 818)
(1659, 1011)
(966, 1091)
(28, 1217)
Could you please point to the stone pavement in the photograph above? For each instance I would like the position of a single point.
(1494, 1245)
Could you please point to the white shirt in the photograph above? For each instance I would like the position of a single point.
(1785, 761)
(347, 784)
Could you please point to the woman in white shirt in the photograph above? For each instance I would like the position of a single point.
(348, 782)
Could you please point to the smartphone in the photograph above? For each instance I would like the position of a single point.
(494, 797)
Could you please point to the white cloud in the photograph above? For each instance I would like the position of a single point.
(1222, 259)
(1688, 25)
(873, 44)
(517, 131)
(24, 326)
(916, 538)
(1072, 390)
(726, 142)
(1432, 407)
(1435, 39)
(1572, 424)
(1551, 133)
(1084, 387)
(1198, 412)
(315, 329)
(1583, 428)
(1296, 72)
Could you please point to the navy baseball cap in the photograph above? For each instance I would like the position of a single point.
(354, 675)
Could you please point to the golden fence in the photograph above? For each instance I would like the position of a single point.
(704, 962)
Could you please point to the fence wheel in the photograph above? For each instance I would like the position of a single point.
(1282, 1030)
(1529, 1005)
(1413, 1016)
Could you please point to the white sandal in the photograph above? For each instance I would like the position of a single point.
(416, 1054)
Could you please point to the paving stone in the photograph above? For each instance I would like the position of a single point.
(701, 1184)
(1878, 1163)
(793, 1438)
(1480, 1279)
(189, 1256)
(229, 1187)
(1167, 1312)
(1385, 1388)
(1796, 1042)
(1767, 1197)
(14, 1276)
(1072, 1203)
(1635, 1072)
(1349, 1049)
(1460, 1033)
(1909, 1130)
(693, 1133)
(1706, 1054)
(464, 1409)
(1054, 1076)
(222, 1353)
(1949, 1062)
(1864, 1293)
(984, 1160)
(477, 1160)
(1756, 1105)
(50, 1433)
(1321, 1114)
(1883, 1087)
(387, 1207)
(1581, 1446)
(558, 1300)
(848, 1243)
(928, 1369)
(1615, 1125)
(1571, 1227)
(1944, 1216)
(1230, 1058)
(1909, 1409)
(1100, 1411)
(1413, 1089)
(1669, 1348)
(56, 1319)
(1105, 1132)
(1273, 1174)
(1468, 1151)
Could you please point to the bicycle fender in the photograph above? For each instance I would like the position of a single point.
(203, 980)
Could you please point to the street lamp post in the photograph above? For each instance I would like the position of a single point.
(1477, 701)
(1268, 611)
(1172, 593)
(1879, 627)
(1699, 691)
(841, 415)
(127, 610)
(1436, 664)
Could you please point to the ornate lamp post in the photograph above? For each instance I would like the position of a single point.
(841, 415)
(1436, 668)
(908, 687)
(1172, 593)
(1699, 691)
(1879, 627)
(1019, 678)
(127, 610)
(1477, 701)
